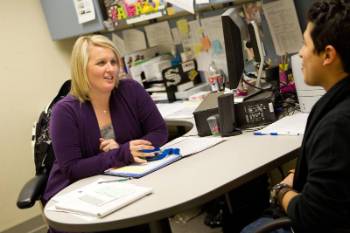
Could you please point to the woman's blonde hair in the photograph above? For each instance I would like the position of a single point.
(79, 61)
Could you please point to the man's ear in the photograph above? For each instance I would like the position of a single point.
(329, 55)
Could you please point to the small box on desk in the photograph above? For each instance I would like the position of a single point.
(255, 111)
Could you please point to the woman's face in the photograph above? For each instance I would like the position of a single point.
(102, 69)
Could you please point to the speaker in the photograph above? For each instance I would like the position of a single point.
(227, 122)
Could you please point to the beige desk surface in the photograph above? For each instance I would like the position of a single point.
(189, 182)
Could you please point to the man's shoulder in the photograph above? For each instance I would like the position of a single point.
(342, 110)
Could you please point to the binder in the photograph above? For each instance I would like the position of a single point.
(139, 170)
(186, 145)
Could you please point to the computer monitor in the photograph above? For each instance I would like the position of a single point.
(235, 33)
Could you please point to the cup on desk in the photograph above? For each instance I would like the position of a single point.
(213, 122)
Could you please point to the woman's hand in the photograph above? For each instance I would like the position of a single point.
(135, 148)
(108, 144)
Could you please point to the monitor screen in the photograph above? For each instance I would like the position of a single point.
(235, 33)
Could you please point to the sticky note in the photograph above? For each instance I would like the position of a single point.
(205, 43)
(170, 11)
(182, 25)
(217, 47)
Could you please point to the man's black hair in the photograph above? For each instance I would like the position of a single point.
(331, 19)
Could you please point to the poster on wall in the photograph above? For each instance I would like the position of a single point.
(85, 10)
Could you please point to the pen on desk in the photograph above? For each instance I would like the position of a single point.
(110, 181)
(259, 133)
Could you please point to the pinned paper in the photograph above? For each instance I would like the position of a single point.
(159, 34)
(205, 43)
(119, 43)
(282, 20)
(176, 35)
(192, 75)
(134, 40)
(196, 31)
(85, 10)
(170, 11)
(217, 48)
(213, 28)
(182, 25)
(197, 48)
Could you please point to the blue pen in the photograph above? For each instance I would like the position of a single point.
(157, 154)
(259, 133)
(156, 149)
(274, 133)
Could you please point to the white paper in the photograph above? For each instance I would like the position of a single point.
(176, 35)
(159, 34)
(119, 43)
(213, 28)
(289, 125)
(177, 110)
(202, 1)
(195, 31)
(85, 10)
(284, 26)
(192, 145)
(134, 40)
(139, 170)
(187, 5)
(100, 199)
(203, 61)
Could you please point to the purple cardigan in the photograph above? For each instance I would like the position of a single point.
(75, 134)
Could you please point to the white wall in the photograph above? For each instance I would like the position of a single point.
(32, 68)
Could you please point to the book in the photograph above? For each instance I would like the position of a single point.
(186, 145)
(100, 198)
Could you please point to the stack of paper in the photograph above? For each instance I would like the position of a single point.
(289, 125)
(100, 198)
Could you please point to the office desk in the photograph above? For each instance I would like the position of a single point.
(189, 182)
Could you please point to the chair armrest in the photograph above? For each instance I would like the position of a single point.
(32, 191)
(274, 225)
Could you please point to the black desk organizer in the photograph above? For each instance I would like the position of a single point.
(173, 77)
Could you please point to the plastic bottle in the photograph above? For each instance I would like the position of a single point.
(215, 78)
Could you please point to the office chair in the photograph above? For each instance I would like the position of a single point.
(43, 155)
(277, 223)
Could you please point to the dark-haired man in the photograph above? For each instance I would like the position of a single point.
(317, 196)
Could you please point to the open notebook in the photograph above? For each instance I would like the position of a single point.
(100, 198)
(187, 146)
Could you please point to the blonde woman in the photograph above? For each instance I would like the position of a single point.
(104, 122)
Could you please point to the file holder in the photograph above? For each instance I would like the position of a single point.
(176, 78)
